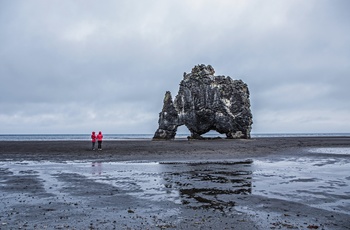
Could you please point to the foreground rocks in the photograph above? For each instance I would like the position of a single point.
(206, 102)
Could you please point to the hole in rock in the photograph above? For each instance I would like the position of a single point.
(213, 133)
(183, 132)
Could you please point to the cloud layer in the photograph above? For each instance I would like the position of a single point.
(76, 66)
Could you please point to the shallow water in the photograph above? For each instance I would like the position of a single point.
(322, 182)
(338, 151)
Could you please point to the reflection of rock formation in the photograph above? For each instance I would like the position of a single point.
(211, 184)
(206, 102)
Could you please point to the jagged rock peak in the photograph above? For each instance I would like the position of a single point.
(199, 71)
(203, 70)
(206, 102)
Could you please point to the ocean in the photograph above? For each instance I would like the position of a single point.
(84, 137)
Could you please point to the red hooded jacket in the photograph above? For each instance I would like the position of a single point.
(99, 136)
(93, 137)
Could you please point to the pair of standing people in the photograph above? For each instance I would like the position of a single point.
(99, 138)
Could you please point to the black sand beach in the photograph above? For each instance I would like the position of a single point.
(197, 185)
(164, 150)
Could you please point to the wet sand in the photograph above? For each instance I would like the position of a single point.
(177, 184)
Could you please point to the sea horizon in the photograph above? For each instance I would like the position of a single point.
(107, 136)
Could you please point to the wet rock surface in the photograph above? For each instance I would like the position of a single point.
(304, 186)
(206, 102)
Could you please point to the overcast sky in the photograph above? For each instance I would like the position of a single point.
(73, 66)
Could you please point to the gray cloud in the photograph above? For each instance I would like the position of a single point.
(74, 66)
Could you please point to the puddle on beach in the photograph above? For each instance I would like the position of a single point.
(321, 182)
(196, 184)
(338, 151)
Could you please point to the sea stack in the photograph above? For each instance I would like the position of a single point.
(206, 102)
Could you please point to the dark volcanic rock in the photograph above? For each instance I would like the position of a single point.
(168, 119)
(207, 102)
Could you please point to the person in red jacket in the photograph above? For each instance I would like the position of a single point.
(93, 140)
(99, 140)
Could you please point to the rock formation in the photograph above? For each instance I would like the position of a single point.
(206, 102)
